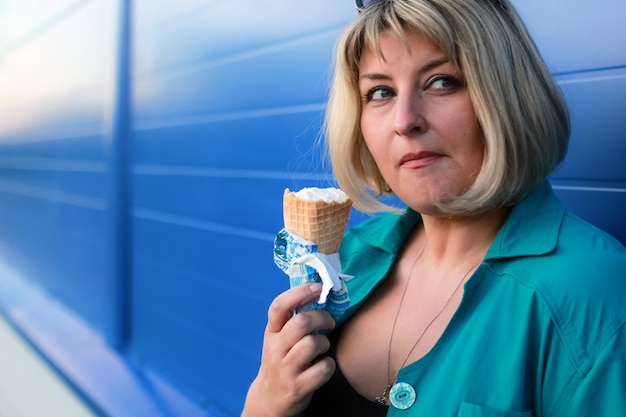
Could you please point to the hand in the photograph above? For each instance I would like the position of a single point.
(290, 372)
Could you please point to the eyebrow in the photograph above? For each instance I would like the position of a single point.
(429, 66)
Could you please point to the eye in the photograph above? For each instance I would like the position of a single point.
(442, 83)
(378, 93)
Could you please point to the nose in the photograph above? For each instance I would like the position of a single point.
(409, 115)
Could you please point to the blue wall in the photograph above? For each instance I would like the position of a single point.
(144, 148)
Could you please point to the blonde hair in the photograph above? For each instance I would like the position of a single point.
(520, 108)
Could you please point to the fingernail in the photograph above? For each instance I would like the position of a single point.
(317, 287)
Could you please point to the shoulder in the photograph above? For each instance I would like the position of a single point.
(591, 266)
(374, 242)
(378, 222)
(582, 282)
(585, 265)
(575, 271)
(383, 232)
(578, 235)
(584, 259)
(551, 249)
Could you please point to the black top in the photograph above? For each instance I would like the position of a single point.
(338, 398)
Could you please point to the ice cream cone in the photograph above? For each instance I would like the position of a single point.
(319, 221)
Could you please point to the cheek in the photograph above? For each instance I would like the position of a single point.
(472, 141)
(371, 138)
(475, 148)
(366, 125)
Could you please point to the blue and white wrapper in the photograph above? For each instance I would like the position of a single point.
(300, 260)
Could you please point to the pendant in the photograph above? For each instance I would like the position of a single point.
(402, 395)
(382, 400)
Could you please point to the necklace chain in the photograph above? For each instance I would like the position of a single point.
(382, 399)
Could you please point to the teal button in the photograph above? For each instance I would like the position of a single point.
(402, 396)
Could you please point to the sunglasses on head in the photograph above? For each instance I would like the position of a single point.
(364, 3)
(361, 4)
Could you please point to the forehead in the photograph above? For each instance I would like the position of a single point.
(391, 48)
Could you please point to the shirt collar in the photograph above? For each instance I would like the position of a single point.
(531, 228)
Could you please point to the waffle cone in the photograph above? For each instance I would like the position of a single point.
(321, 222)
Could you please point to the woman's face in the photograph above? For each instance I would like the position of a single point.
(418, 121)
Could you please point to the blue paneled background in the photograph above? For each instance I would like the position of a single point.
(144, 148)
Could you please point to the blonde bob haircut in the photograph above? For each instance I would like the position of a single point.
(520, 108)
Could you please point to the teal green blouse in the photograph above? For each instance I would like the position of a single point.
(541, 327)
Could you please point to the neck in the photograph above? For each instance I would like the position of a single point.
(454, 238)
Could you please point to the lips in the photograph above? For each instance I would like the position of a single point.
(420, 159)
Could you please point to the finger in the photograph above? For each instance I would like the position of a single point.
(306, 323)
(298, 393)
(306, 351)
(304, 385)
(280, 311)
(316, 375)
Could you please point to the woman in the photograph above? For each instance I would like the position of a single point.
(484, 297)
